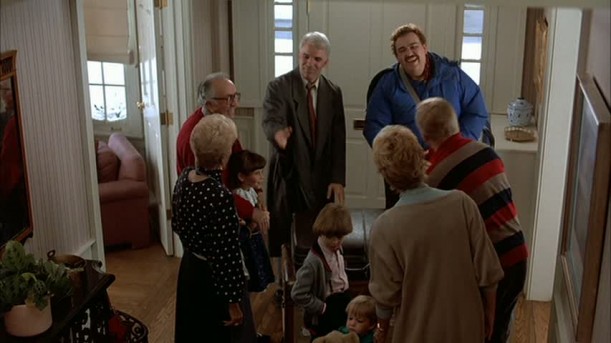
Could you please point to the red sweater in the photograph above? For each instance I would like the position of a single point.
(475, 168)
(185, 158)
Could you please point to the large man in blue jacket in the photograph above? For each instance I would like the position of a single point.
(429, 75)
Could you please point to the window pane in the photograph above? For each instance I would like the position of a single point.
(113, 74)
(96, 94)
(472, 69)
(284, 42)
(284, 64)
(471, 48)
(116, 103)
(283, 16)
(284, 1)
(474, 21)
(94, 70)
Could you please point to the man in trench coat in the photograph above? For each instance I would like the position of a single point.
(304, 121)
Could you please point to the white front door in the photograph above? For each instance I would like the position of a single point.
(155, 134)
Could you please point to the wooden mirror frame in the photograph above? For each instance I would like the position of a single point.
(15, 204)
(585, 207)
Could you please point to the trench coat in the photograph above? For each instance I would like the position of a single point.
(299, 175)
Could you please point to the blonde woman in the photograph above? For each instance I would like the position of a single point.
(432, 263)
(210, 298)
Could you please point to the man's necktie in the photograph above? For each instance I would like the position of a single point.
(312, 111)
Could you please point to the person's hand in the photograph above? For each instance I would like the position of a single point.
(379, 336)
(489, 297)
(236, 317)
(337, 191)
(282, 137)
(488, 324)
(261, 218)
(262, 201)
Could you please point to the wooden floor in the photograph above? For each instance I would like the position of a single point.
(145, 288)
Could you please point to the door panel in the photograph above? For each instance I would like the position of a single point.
(360, 46)
(362, 180)
(353, 61)
(155, 134)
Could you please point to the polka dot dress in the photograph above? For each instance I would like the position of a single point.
(204, 216)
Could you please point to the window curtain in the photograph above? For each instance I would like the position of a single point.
(110, 31)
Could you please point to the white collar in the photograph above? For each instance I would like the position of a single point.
(305, 82)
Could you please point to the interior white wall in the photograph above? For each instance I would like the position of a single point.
(253, 67)
(561, 70)
(95, 250)
(58, 152)
(507, 25)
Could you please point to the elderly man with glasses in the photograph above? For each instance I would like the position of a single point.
(216, 94)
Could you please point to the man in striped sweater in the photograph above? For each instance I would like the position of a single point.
(457, 162)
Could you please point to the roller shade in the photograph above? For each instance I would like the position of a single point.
(107, 26)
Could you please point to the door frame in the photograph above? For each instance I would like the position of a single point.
(95, 219)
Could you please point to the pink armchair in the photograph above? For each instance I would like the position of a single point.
(124, 195)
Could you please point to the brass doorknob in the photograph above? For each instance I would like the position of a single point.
(140, 105)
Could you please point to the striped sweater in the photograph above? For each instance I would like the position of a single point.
(476, 169)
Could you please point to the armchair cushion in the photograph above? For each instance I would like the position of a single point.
(124, 194)
(121, 190)
(132, 166)
(107, 163)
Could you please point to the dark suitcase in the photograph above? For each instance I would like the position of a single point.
(354, 245)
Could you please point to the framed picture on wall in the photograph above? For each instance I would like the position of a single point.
(15, 211)
(586, 201)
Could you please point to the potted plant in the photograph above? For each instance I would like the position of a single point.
(26, 287)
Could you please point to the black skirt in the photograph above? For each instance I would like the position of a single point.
(200, 312)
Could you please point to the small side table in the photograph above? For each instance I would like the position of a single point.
(81, 318)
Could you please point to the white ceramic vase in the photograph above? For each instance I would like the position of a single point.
(519, 112)
(27, 321)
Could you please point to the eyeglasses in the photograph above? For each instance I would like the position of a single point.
(229, 98)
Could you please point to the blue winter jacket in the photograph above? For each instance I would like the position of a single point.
(390, 102)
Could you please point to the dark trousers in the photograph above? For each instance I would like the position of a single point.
(507, 294)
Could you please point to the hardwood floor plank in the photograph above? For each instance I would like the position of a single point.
(541, 315)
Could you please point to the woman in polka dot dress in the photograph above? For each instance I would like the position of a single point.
(211, 279)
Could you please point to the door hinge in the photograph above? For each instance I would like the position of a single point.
(166, 118)
(161, 4)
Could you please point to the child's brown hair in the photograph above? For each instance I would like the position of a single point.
(243, 162)
(333, 221)
(363, 306)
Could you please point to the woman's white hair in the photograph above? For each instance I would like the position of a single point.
(211, 140)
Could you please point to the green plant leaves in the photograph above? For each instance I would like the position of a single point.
(26, 280)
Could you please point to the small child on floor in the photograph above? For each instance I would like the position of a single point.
(321, 283)
(362, 321)
(245, 177)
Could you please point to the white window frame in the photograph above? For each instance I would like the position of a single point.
(292, 29)
(132, 125)
(460, 34)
